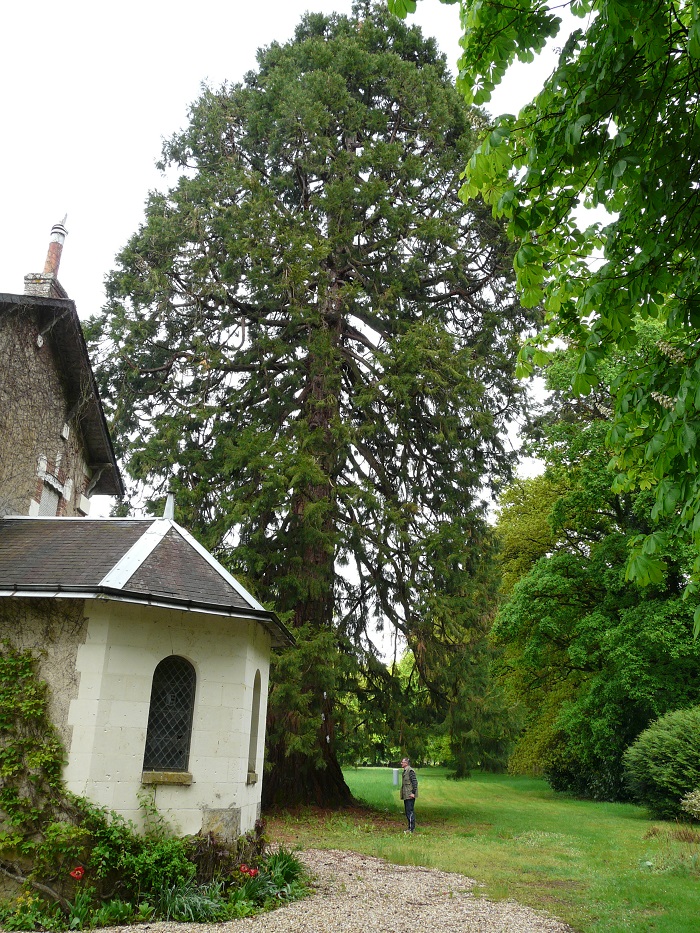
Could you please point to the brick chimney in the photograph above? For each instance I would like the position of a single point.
(46, 284)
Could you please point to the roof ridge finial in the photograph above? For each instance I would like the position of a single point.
(169, 510)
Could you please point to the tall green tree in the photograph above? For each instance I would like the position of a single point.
(616, 125)
(592, 658)
(525, 531)
(475, 730)
(312, 339)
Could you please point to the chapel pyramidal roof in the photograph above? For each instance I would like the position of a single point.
(137, 560)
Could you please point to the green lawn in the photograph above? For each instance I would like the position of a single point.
(601, 867)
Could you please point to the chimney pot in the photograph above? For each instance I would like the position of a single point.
(53, 257)
(46, 284)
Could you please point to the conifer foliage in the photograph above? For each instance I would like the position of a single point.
(312, 340)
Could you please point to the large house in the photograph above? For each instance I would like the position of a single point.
(55, 448)
(157, 658)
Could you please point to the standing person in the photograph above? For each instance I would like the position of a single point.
(409, 792)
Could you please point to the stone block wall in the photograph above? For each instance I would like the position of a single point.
(54, 629)
(42, 454)
(109, 714)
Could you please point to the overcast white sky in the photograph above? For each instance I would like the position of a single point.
(90, 90)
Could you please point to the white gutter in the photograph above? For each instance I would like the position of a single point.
(140, 599)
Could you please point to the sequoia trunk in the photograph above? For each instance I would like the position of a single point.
(294, 777)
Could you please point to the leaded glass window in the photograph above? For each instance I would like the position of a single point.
(170, 716)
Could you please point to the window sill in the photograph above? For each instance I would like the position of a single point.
(166, 777)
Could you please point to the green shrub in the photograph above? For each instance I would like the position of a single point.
(113, 914)
(259, 889)
(193, 903)
(283, 866)
(82, 909)
(30, 912)
(691, 803)
(58, 849)
(663, 764)
(242, 892)
(238, 905)
(119, 859)
(145, 912)
(280, 878)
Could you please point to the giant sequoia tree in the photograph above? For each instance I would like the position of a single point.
(311, 339)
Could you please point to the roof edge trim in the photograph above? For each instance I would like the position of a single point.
(269, 620)
(78, 518)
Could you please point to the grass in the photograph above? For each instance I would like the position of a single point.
(598, 866)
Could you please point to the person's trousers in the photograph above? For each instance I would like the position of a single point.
(409, 805)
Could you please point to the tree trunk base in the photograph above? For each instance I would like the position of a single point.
(296, 781)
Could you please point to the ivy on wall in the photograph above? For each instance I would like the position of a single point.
(31, 760)
(31, 753)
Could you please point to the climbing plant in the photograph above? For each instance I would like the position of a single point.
(81, 865)
(31, 753)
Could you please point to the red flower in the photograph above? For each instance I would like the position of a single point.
(253, 872)
(77, 872)
(244, 869)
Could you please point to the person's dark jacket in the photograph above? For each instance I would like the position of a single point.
(409, 784)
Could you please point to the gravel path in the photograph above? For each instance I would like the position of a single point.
(358, 894)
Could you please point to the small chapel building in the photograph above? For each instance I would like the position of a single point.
(156, 657)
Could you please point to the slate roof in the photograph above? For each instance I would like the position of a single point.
(54, 554)
(173, 562)
(152, 561)
(59, 318)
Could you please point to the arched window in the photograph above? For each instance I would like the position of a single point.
(254, 725)
(170, 716)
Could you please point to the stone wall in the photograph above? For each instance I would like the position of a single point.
(109, 714)
(41, 449)
(53, 629)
